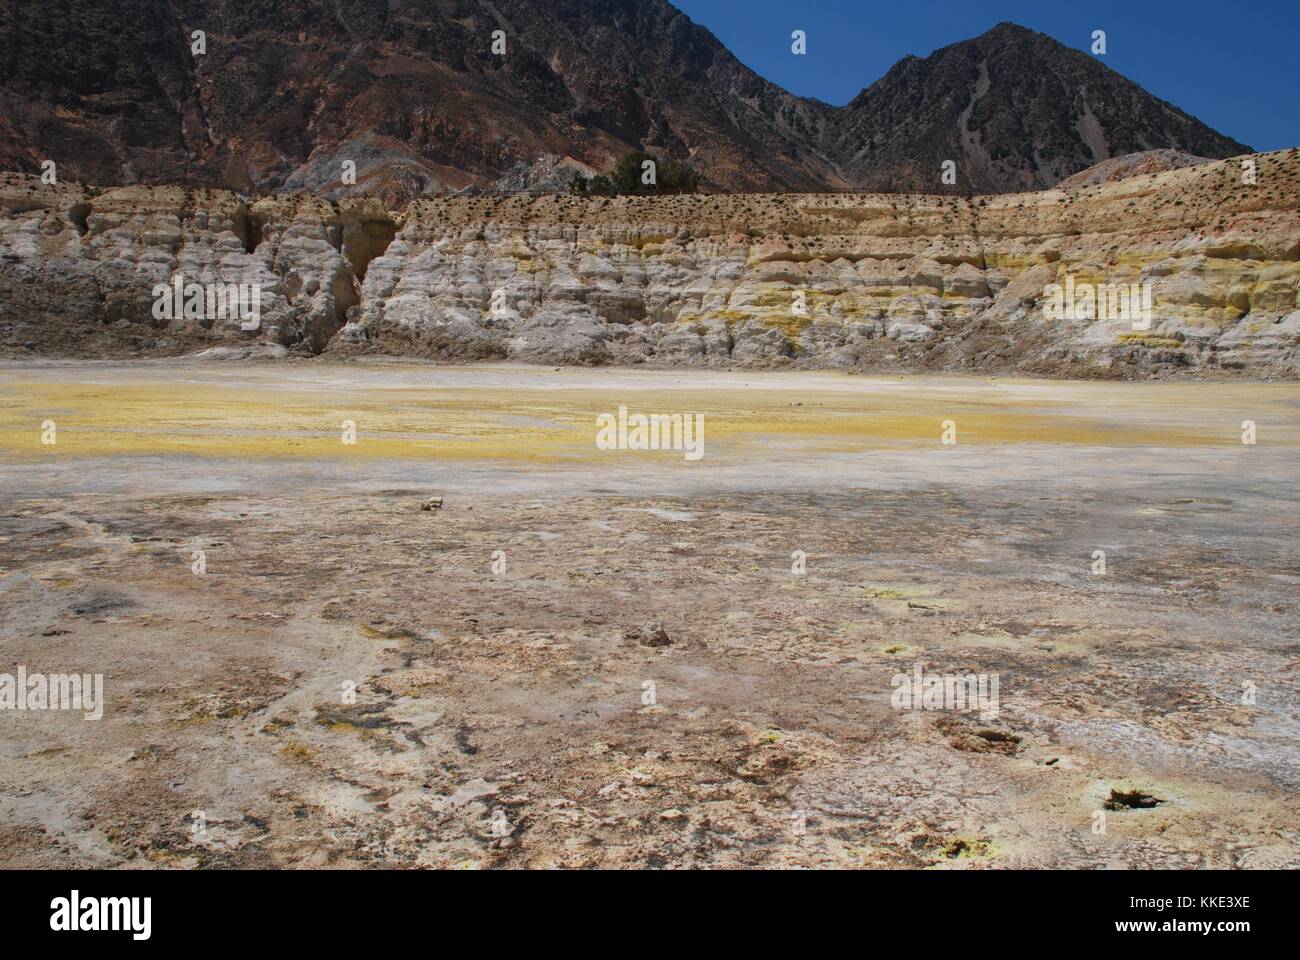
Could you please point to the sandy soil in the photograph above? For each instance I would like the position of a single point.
(516, 717)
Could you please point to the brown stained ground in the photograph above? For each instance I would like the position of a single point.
(518, 698)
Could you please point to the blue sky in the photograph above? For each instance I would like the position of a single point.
(1235, 65)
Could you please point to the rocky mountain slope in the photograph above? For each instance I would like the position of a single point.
(1015, 109)
(866, 281)
(412, 92)
(1131, 165)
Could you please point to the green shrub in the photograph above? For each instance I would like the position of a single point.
(671, 177)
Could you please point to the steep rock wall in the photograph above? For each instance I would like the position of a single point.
(861, 281)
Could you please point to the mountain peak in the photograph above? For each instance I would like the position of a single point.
(1014, 109)
(1008, 28)
(422, 103)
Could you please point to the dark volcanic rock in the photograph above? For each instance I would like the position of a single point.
(1014, 109)
(412, 93)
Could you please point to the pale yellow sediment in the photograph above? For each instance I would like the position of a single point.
(265, 420)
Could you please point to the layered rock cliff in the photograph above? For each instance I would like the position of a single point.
(863, 281)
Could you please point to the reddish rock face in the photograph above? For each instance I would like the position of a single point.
(413, 94)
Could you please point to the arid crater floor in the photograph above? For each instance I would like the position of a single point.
(514, 717)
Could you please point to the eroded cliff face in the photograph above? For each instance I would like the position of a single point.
(79, 268)
(864, 281)
(884, 281)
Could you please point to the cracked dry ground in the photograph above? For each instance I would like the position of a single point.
(518, 699)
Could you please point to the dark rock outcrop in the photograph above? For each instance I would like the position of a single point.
(413, 95)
